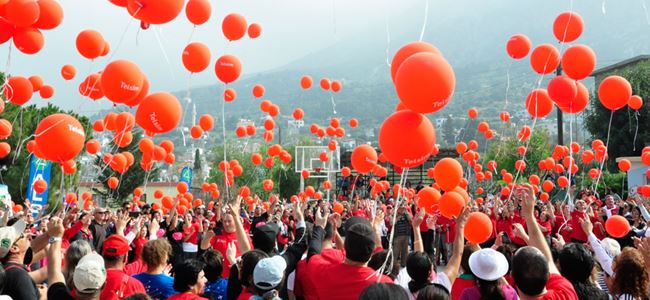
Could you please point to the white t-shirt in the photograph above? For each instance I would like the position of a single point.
(403, 279)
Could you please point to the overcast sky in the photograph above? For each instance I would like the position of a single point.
(291, 29)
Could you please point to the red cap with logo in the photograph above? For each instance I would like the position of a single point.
(115, 245)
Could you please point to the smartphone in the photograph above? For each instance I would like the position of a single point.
(506, 239)
(134, 214)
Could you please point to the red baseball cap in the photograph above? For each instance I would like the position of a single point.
(115, 245)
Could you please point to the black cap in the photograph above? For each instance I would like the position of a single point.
(265, 236)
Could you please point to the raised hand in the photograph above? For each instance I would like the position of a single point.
(586, 225)
(321, 219)
(55, 227)
(418, 218)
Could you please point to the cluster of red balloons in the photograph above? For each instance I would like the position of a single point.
(91, 44)
(156, 153)
(246, 130)
(206, 123)
(23, 20)
(19, 90)
(234, 26)
(119, 162)
(333, 130)
(212, 188)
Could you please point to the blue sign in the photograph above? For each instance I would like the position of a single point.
(186, 176)
(38, 169)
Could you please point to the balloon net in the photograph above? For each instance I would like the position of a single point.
(309, 158)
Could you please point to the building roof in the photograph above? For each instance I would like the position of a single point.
(619, 65)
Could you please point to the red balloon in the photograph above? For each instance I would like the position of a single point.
(234, 26)
(624, 165)
(254, 30)
(159, 112)
(6, 29)
(113, 182)
(579, 102)
(617, 226)
(562, 90)
(364, 158)
(121, 81)
(406, 51)
(196, 56)
(425, 82)
(155, 11)
(306, 82)
(36, 81)
(91, 87)
(90, 43)
(229, 95)
(545, 59)
(429, 199)
(227, 68)
(18, 90)
(472, 113)
(46, 92)
(206, 122)
(578, 61)
(538, 103)
(567, 27)
(336, 86)
(51, 14)
(518, 46)
(93, 146)
(28, 40)
(5, 129)
(614, 92)
(353, 122)
(448, 173)
(258, 91)
(635, 102)
(22, 13)
(196, 132)
(325, 83)
(144, 91)
(504, 116)
(198, 11)
(407, 138)
(40, 186)
(478, 228)
(298, 114)
(68, 72)
(59, 137)
(451, 204)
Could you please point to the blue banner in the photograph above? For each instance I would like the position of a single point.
(186, 176)
(38, 169)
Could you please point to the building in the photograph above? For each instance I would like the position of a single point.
(617, 68)
(636, 176)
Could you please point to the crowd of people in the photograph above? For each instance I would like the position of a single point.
(384, 248)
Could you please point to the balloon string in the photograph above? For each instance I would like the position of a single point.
(6, 71)
(162, 49)
(386, 20)
(602, 8)
(333, 103)
(571, 161)
(566, 29)
(636, 132)
(523, 157)
(426, 17)
(645, 10)
(225, 158)
(191, 34)
(398, 202)
(189, 100)
(602, 164)
(505, 106)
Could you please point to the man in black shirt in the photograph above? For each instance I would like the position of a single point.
(99, 227)
(14, 247)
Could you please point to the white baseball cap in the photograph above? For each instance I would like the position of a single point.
(9, 235)
(269, 272)
(89, 274)
(488, 264)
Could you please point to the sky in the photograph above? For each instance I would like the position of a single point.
(291, 29)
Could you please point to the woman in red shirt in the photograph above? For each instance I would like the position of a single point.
(579, 213)
(191, 230)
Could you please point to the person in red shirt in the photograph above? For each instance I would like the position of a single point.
(348, 279)
(533, 269)
(189, 281)
(191, 229)
(579, 213)
(118, 284)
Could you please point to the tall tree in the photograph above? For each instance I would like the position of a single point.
(134, 177)
(504, 152)
(197, 160)
(624, 122)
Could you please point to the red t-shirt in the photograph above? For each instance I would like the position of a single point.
(116, 280)
(505, 225)
(340, 280)
(558, 288)
(220, 243)
(598, 232)
(245, 295)
(193, 233)
(518, 219)
(460, 284)
(546, 225)
(136, 267)
(577, 232)
(186, 296)
(448, 227)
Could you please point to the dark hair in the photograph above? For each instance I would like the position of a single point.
(464, 260)
(490, 289)
(213, 264)
(329, 231)
(187, 274)
(508, 250)
(530, 271)
(3, 277)
(384, 291)
(576, 265)
(631, 276)
(418, 266)
(433, 292)
(248, 262)
(138, 296)
(111, 261)
(359, 243)
(377, 260)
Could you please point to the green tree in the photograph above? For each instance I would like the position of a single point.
(134, 177)
(449, 132)
(623, 121)
(504, 152)
(15, 166)
(197, 160)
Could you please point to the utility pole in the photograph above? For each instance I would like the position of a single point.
(560, 123)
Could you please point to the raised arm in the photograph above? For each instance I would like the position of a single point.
(536, 237)
(417, 236)
(451, 270)
(55, 230)
(242, 238)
